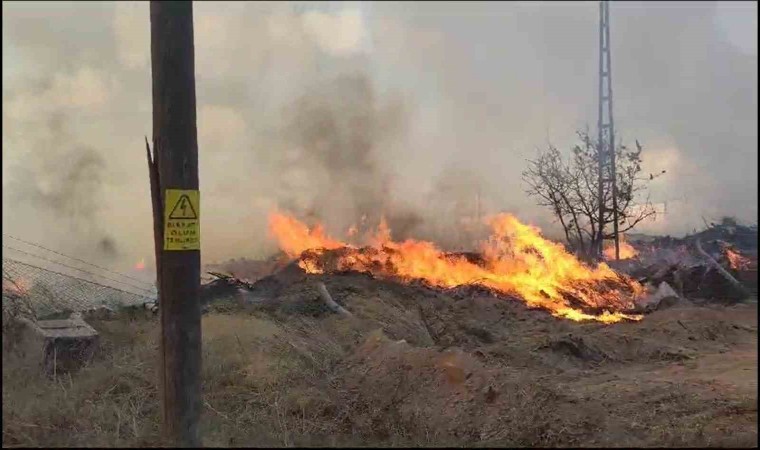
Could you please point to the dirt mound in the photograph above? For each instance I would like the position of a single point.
(498, 328)
(446, 395)
(250, 270)
(510, 391)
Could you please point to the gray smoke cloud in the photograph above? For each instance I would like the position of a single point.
(337, 146)
(344, 109)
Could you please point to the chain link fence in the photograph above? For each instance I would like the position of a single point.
(45, 291)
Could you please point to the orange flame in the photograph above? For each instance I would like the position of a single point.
(736, 260)
(19, 287)
(626, 250)
(517, 261)
(295, 237)
(140, 265)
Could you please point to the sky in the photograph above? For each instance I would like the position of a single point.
(332, 108)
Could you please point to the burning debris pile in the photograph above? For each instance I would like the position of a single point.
(516, 261)
(718, 263)
(627, 251)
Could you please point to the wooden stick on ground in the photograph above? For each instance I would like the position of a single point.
(327, 298)
(734, 282)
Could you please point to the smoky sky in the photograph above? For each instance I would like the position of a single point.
(333, 109)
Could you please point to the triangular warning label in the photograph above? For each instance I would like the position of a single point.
(183, 209)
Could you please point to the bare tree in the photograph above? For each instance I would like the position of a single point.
(569, 187)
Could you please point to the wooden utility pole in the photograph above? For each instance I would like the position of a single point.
(176, 217)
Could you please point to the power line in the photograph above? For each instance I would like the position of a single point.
(76, 259)
(76, 268)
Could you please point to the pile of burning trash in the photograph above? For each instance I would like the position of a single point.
(716, 264)
(516, 263)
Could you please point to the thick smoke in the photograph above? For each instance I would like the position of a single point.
(59, 182)
(414, 110)
(336, 133)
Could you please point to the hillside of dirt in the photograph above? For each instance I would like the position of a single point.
(412, 366)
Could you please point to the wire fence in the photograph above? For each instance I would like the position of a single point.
(47, 286)
(71, 258)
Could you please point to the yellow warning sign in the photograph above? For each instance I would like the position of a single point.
(182, 214)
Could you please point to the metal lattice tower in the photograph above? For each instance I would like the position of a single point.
(606, 139)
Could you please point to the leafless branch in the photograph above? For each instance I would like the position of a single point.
(570, 189)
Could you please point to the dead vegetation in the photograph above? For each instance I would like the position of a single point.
(411, 366)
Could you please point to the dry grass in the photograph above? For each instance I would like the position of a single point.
(264, 384)
(111, 402)
(273, 380)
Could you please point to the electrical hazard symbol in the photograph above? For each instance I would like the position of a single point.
(182, 220)
(183, 209)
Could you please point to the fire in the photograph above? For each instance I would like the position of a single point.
(18, 287)
(626, 250)
(517, 261)
(295, 237)
(736, 260)
(140, 265)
